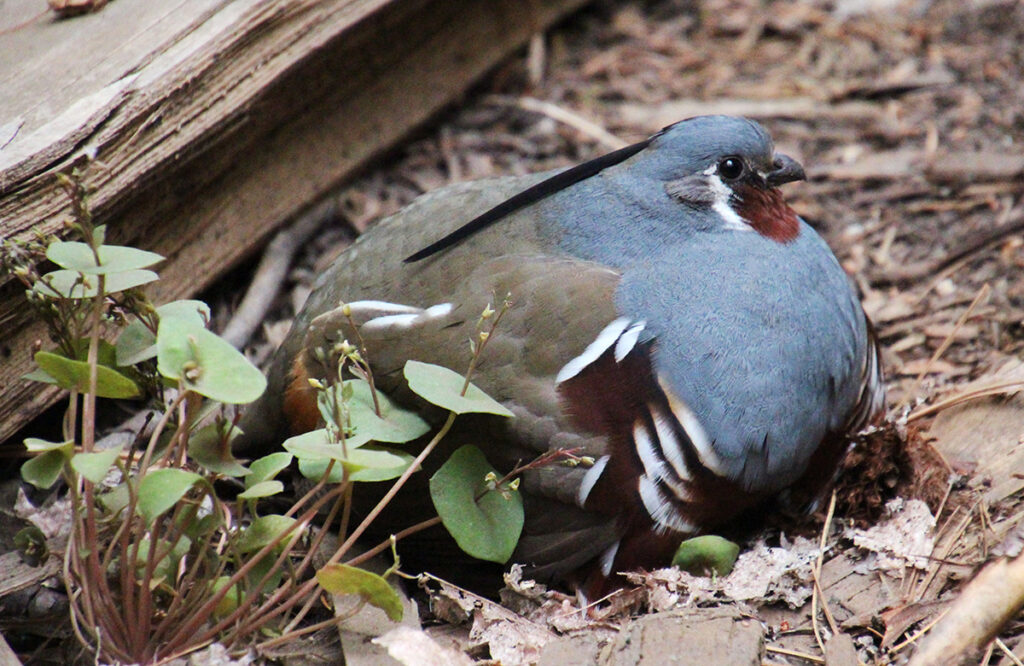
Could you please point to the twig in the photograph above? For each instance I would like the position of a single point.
(566, 117)
(794, 653)
(536, 58)
(270, 274)
(817, 593)
(981, 295)
(1009, 653)
(384, 545)
(918, 634)
(384, 501)
(1012, 222)
(952, 401)
(985, 605)
(922, 587)
(954, 262)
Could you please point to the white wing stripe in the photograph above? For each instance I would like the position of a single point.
(654, 465)
(589, 479)
(695, 431)
(628, 340)
(670, 444)
(594, 350)
(661, 510)
(608, 558)
(405, 320)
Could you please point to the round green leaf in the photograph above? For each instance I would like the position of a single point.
(94, 466)
(267, 467)
(73, 284)
(317, 445)
(113, 258)
(71, 374)
(706, 554)
(43, 470)
(206, 447)
(311, 446)
(488, 528)
(137, 343)
(161, 489)
(31, 544)
(168, 566)
(345, 579)
(36, 445)
(395, 425)
(115, 500)
(263, 531)
(314, 469)
(442, 387)
(230, 601)
(39, 375)
(206, 363)
(262, 489)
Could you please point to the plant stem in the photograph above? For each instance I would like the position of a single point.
(384, 545)
(358, 531)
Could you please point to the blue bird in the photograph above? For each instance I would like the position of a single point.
(673, 317)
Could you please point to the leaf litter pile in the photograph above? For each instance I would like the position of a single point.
(909, 118)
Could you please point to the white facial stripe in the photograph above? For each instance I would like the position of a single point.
(628, 340)
(608, 558)
(721, 204)
(695, 431)
(661, 511)
(599, 346)
(589, 479)
(670, 444)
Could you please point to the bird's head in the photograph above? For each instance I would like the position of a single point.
(723, 166)
(730, 165)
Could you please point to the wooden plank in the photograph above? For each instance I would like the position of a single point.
(231, 125)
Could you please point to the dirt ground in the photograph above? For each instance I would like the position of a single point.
(909, 118)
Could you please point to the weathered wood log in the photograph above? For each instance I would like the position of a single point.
(208, 123)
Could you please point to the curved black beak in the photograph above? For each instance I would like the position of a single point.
(786, 170)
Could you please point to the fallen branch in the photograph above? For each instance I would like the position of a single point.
(990, 600)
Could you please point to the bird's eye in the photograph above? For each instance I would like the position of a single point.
(730, 168)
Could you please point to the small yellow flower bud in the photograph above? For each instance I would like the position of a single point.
(192, 371)
(514, 484)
